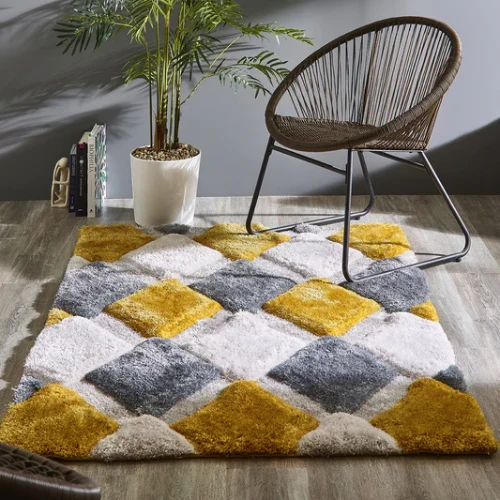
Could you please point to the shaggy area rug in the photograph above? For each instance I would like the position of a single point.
(210, 342)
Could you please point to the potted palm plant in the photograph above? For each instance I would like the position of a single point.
(177, 40)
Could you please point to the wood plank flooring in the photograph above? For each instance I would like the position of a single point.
(36, 243)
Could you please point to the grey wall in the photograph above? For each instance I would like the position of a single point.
(47, 99)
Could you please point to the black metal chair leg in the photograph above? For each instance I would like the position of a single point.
(443, 259)
(318, 222)
(347, 217)
(451, 206)
(368, 183)
(260, 181)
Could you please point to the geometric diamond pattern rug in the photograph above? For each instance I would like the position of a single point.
(213, 342)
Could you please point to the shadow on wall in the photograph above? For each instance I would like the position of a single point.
(27, 169)
(469, 164)
(255, 8)
(46, 99)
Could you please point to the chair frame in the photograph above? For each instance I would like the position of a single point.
(26, 475)
(427, 109)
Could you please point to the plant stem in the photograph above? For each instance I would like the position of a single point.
(171, 115)
(178, 49)
(177, 117)
(166, 70)
(179, 70)
(158, 141)
(150, 92)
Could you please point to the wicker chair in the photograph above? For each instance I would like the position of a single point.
(24, 475)
(376, 89)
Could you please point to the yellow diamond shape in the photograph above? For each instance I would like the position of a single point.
(163, 309)
(109, 243)
(246, 420)
(56, 421)
(434, 418)
(377, 241)
(321, 307)
(234, 242)
(56, 316)
(426, 311)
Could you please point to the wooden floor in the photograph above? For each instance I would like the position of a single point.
(36, 243)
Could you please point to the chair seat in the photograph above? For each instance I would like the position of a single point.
(310, 134)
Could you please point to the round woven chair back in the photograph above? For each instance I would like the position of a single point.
(382, 84)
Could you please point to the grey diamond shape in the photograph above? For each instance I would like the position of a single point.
(153, 376)
(28, 386)
(396, 291)
(87, 291)
(338, 375)
(242, 285)
(453, 377)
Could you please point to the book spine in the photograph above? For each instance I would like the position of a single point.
(72, 180)
(104, 152)
(100, 168)
(81, 184)
(91, 178)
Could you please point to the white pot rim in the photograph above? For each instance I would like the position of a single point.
(163, 161)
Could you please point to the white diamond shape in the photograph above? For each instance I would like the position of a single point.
(286, 393)
(76, 262)
(202, 327)
(344, 434)
(118, 329)
(193, 403)
(99, 400)
(284, 326)
(245, 347)
(416, 346)
(275, 269)
(142, 438)
(66, 351)
(176, 256)
(310, 255)
(386, 398)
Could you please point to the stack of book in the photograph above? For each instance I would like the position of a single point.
(87, 161)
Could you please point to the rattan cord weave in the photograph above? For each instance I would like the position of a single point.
(377, 87)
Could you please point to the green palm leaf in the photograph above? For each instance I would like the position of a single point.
(179, 38)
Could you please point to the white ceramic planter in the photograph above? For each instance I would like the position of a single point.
(164, 191)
